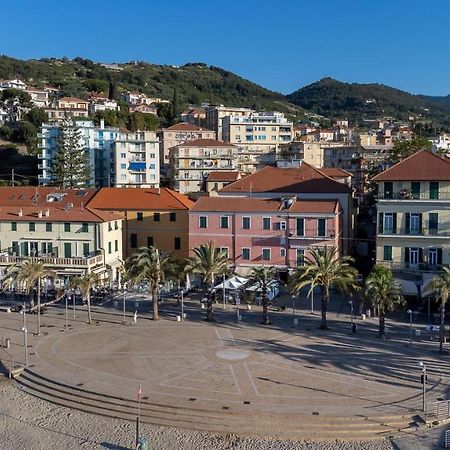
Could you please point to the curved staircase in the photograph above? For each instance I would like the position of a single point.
(294, 427)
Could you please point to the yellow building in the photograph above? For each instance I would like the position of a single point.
(153, 217)
(414, 214)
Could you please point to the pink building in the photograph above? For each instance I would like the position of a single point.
(257, 231)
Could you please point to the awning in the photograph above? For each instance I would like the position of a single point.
(232, 283)
(137, 166)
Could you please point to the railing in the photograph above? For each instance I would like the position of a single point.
(54, 261)
(413, 232)
(437, 410)
(393, 265)
(408, 195)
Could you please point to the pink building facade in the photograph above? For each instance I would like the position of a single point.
(273, 232)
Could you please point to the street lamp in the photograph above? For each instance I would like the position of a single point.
(293, 309)
(182, 305)
(410, 326)
(25, 331)
(238, 302)
(123, 306)
(312, 300)
(351, 315)
(223, 290)
(424, 382)
(73, 298)
(66, 326)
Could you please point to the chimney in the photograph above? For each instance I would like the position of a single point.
(47, 212)
(20, 212)
(40, 215)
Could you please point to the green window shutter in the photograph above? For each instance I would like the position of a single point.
(439, 256)
(415, 189)
(406, 255)
(387, 253)
(420, 223)
(434, 190)
(394, 223)
(407, 223)
(380, 223)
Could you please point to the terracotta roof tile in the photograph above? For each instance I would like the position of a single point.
(182, 126)
(315, 206)
(305, 179)
(222, 176)
(422, 166)
(335, 172)
(144, 199)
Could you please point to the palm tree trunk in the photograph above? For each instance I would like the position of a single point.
(324, 323)
(382, 326)
(155, 302)
(38, 306)
(265, 317)
(88, 303)
(441, 328)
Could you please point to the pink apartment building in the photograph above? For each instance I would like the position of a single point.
(257, 231)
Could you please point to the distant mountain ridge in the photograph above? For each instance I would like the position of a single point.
(333, 98)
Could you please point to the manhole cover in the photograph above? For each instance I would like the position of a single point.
(232, 355)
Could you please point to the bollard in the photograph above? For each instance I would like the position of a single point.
(368, 313)
(184, 315)
(363, 317)
(7, 343)
(178, 318)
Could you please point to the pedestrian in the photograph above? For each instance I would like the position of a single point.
(135, 318)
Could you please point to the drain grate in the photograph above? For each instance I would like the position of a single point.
(315, 413)
(192, 399)
(225, 407)
(246, 403)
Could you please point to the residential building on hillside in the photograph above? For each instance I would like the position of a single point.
(219, 179)
(214, 115)
(61, 229)
(276, 232)
(138, 98)
(441, 143)
(144, 109)
(195, 116)
(414, 215)
(157, 217)
(303, 183)
(192, 162)
(99, 103)
(39, 97)
(68, 107)
(178, 134)
(12, 84)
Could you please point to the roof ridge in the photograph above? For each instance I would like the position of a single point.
(172, 193)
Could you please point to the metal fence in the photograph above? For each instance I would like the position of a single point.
(437, 410)
(447, 439)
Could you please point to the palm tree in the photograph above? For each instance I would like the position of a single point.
(384, 293)
(151, 265)
(29, 273)
(440, 286)
(209, 262)
(85, 284)
(325, 269)
(263, 276)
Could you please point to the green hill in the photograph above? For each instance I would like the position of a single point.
(195, 83)
(332, 98)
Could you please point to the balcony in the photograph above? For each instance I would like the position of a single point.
(408, 195)
(421, 267)
(424, 232)
(55, 262)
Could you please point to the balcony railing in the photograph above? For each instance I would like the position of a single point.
(424, 267)
(409, 195)
(424, 232)
(54, 261)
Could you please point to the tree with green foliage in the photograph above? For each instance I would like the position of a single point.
(112, 91)
(384, 294)
(85, 284)
(403, 149)
(324, 268)
(175, 106)
(37, 116)
(15, 102)
(70, 167)
(263, 277)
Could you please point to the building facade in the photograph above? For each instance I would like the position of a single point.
(214, 115)
(192, 162)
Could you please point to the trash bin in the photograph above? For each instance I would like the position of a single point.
(184, 315)
(295, 321)
(178, 318)
(368, 312)
(7, 343)
(354, 328)
(418, 333)
(115, 303)
(363, 317)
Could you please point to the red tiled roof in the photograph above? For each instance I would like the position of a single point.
(72, 99)
(422, 166)
(144, 199)
(315, 206)
(335, 172)
(205, 143)
(222, 176)
(73, 206)
(305, 179)
(182, 126)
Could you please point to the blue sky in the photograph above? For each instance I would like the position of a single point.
(281, 44)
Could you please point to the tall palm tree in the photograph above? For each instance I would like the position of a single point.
(30, 273)
(209, 262)
(440, 286)
(384, 293)
(85, 284)
(151, 265)
(325, 269)
(263, 276)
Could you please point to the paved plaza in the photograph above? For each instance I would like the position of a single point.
(276, 372)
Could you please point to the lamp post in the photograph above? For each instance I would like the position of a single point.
(424, 383)
(25, 331)
(73, 298)
(123, 306)
(293, 309)
(410, 326)
(312, 300)
(238, 302)
(66, 326)
(223, 290)
(351, 315)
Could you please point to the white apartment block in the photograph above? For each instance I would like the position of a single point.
(39, 97)
(192, 162)
(136, 159)
(214, 116)
(12, 84)
(258, 137)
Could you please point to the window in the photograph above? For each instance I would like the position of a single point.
(31, 226)
(415, 224)
(67, 250)
(116, 225)
(67, 227)
(224, 222)
(139, 216)
(150, 241)
(433, 220)
(84, 227)
(246, 223)
(300, 257)
(173, 217)
(434, 190)
(246, 253)
(116, 245)
(415, 189)
(282, 225)
(388, 223)
(85, 248)
(156, 217)
(388, 188)
(266, 254)
(13, 226)
(321, 227)
(123, 155)
(282, 252)
(202, 222)
(387, 253)
(266, 225)
(300, 226)
(48, 226)
(177, 243)
(123, 166)
(109, 247)
(224, 250)
(133, 240)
